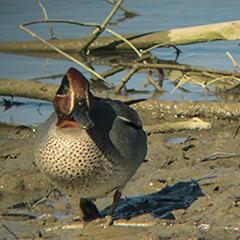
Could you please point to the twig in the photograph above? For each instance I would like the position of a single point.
(48, 76)
(109, 72)
(99, 30)
(157, 87)
(234, 62)
(207, 83)
(46, 17)
(134, 69)
(205, 94)
(62, 21)
(65, 54)
(85, 25)
(167, 45)
(185, 68)
(120, 68)
(125, 40)
(155, 46)
(11, 232)
(234, 86)
(236, 133)
(184, 79)
(219, 155)
(127, 11)
(125, 79)
(128, 76)
(151, 80)
(108, 19)
(120, 37)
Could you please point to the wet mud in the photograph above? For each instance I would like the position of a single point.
(187, 188)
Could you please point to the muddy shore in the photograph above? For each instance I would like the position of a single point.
(188, 188)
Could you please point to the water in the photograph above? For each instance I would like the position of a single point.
(155, 15)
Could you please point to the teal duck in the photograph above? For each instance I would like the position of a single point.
(89, 146)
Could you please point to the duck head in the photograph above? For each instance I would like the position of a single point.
(73, 101)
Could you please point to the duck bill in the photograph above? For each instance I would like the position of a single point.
(81, 117)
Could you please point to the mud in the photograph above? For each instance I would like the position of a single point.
(188, 188)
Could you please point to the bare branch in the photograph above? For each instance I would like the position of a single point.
(65, 54)
(125, 40)
(126, 11)
(98, 31)
(125, 80)
(234, 62)
(10, 231)
(46, 17)
(185, 68)
(62, 21)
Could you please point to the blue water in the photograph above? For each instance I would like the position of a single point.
(155, 15)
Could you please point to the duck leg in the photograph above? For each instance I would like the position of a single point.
(88, 210)
(116, 199)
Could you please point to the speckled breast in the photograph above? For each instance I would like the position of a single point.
(73, 162)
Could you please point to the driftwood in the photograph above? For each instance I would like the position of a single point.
(27, 89)
(181, 36)
(157, 108)
(192, 124)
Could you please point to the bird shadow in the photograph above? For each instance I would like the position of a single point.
(159, 204)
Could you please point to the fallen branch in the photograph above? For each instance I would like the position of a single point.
(181, 36)
(100, 29)
(157, 108)
(46, 17)
(94, 36)
(165, 109)
(184, 68)
(10, 231)
(219, 155)
(125, 79)
(65, 54)
(27, 89)
(192, 124)
(120, 68)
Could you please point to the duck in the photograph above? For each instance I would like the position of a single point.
(89, 146)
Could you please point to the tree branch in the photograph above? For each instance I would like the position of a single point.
(46, 17)
(98, 30)
(181, 36)
(156, 108)
(65, 54)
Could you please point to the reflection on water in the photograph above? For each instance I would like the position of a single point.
(154, 16)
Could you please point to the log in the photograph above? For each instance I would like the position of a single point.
(192, 124)
(181, 36)
(158, 109)
(27, 89)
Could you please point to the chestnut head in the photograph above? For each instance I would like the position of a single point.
(73, 101)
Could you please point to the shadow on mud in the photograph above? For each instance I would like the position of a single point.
(160, 204)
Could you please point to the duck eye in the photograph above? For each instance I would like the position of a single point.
(65, 86)
(82, 103)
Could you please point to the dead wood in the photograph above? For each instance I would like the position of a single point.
(157, 108)
(192, 124)
(181, 36)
